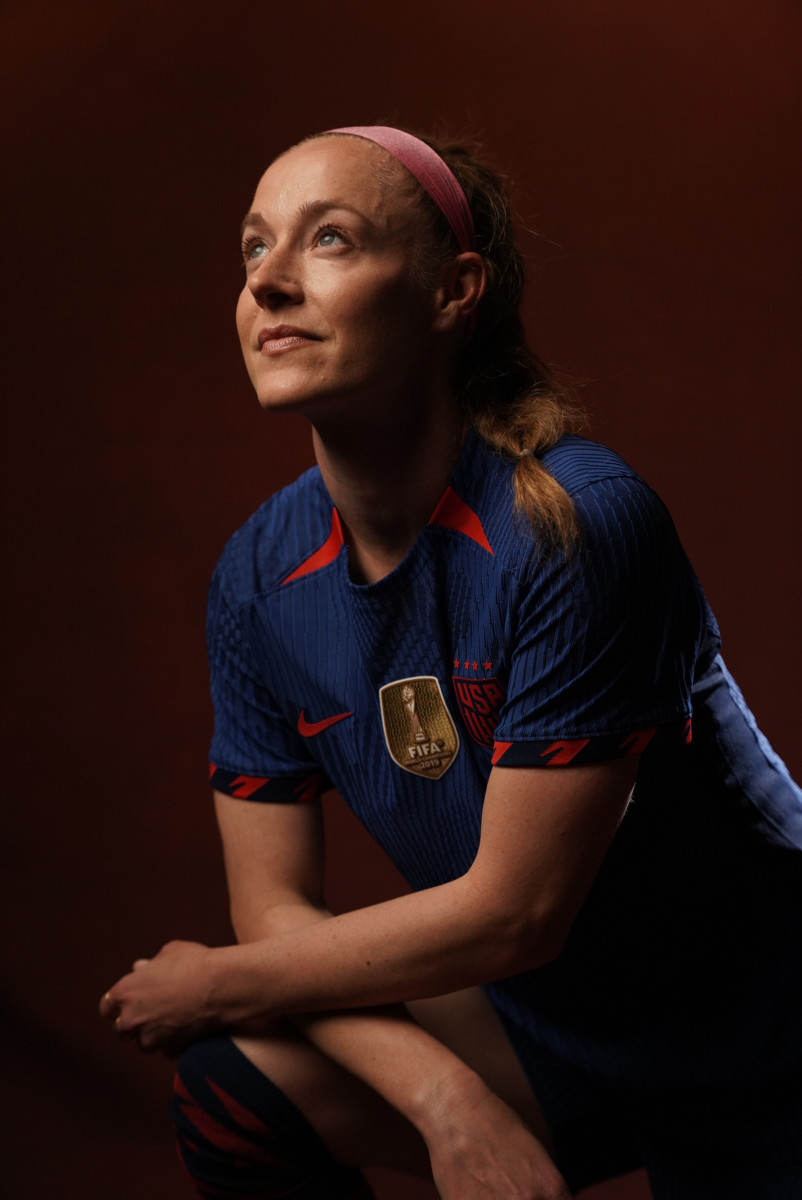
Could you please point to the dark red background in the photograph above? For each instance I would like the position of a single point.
(655, 147)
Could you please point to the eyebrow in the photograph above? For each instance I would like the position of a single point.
(310, 208)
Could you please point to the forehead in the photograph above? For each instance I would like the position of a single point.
(348, 170)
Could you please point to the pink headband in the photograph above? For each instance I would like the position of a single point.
(436, 179)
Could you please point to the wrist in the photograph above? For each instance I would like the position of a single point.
(230, 994)
(445, 1097)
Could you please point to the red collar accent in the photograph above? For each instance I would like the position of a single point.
(325, 555)
(454, 513)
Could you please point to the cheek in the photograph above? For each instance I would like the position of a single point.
(244, 315)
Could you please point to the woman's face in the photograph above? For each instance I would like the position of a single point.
(332, 307)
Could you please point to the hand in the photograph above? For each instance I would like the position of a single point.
(482, 1150)
(164, 1002)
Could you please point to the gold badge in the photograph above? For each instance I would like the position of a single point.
(418, 729)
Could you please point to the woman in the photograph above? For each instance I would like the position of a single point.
(483, 631)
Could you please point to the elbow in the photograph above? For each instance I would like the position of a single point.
(245, 928)
(525, 941)
(542, 945)
(252, 924)
(522, 926)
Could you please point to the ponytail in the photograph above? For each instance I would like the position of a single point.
(509, 397)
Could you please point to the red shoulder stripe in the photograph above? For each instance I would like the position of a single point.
(454, 513)
(325, 555)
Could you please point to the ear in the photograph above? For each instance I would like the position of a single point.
(461, 287)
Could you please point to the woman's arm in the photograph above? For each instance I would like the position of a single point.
(274, 864)
(544, 835)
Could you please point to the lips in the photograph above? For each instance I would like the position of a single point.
(277, 338)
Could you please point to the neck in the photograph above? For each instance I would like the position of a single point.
(386, 479)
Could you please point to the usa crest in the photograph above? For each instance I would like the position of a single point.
(418, 729)
(479, 701)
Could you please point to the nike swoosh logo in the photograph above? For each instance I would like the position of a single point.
(312, 728)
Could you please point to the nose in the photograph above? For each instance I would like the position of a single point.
(276, 280)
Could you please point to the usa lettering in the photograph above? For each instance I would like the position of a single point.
(479, 701)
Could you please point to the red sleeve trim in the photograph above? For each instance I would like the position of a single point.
(309, 788)
(636, 743)
(499, 750)
(279, 790)
(565, 751)
(244, 786)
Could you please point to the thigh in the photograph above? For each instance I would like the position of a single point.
(594, 1131)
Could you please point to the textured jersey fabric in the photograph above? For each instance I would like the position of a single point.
(689, 936)
(575, 662)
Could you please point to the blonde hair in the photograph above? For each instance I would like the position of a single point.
(511, 399)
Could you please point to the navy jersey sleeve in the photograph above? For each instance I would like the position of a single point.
(255, 753)
(605, 643)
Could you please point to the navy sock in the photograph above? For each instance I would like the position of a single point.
(239, 1136)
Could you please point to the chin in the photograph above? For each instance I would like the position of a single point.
(271, 402)
(279, 394)
(290, 400)
(313, 402)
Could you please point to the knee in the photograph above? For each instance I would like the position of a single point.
(220, 1142)
(239, 1134)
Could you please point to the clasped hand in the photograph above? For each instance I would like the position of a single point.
(164, 1002)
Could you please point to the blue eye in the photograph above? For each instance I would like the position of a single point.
(253, 248)
(327, 235)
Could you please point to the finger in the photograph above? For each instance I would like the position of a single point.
(125, 1035)
(107, 1005)
(140, 962)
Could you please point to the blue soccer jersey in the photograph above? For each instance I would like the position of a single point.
(528, 661)
(479, 648)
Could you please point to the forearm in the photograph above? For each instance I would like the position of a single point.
(419, 1076)
(384, 1047)
(543, 838)
(425, 944)
(469, 1131)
